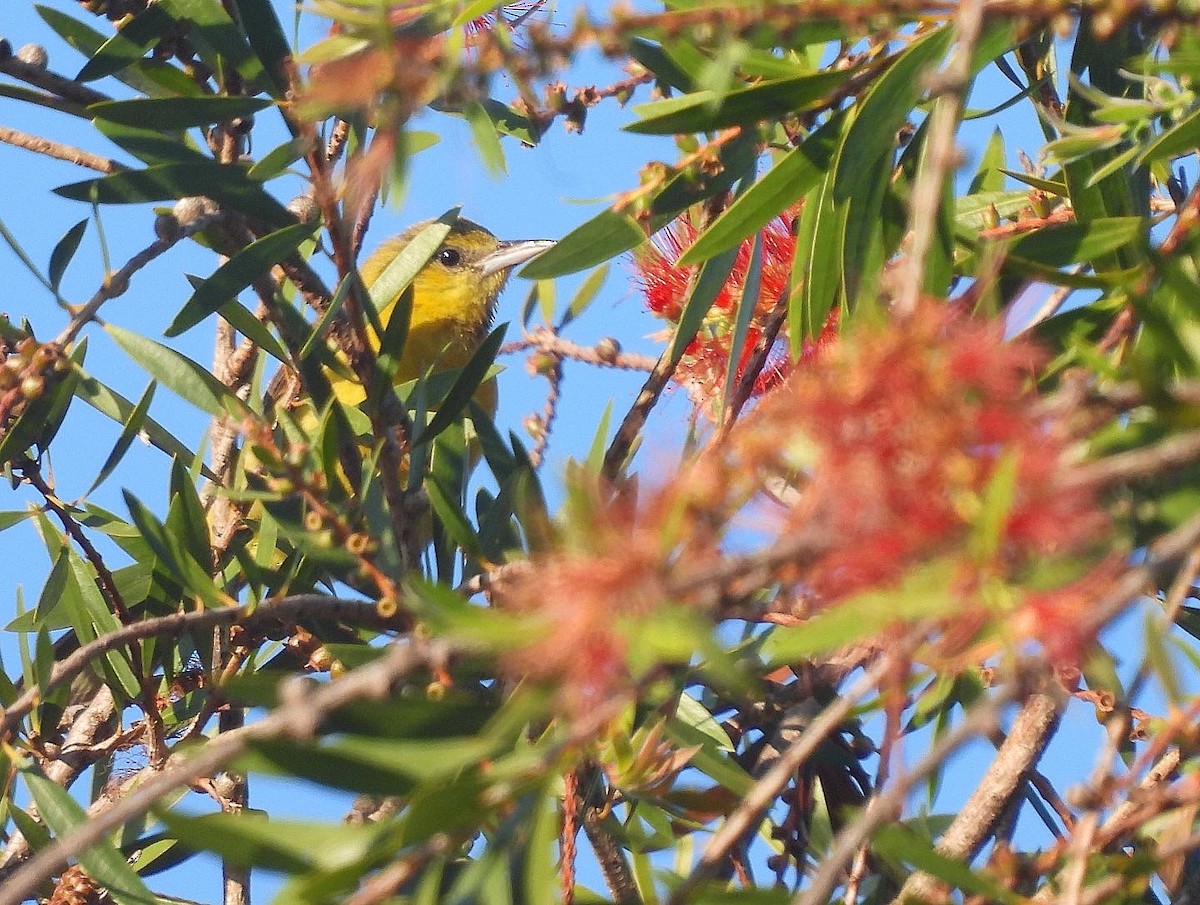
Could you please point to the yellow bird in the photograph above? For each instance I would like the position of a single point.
(453, 301)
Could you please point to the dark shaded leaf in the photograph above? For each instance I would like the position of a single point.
(239, 272)
(465, 384)
(128, 45)
(103, 862)
(707, 111)
(170, 113)
(268, 40)
(871, 137)
(64, 251)
(228, 185)
(131, 428)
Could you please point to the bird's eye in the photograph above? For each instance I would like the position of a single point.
(449, 257)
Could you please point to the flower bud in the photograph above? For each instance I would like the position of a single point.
(305, 208)
(34, 55)
(33, 386)
(607, 349)
(189, 210)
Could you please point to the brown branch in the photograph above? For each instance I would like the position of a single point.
(966, 835)
(568, 848)
(302, 708)
(354, 612)
(384, 885)
(886, 806)
(618, 451)
(758, 359)
(760, 797)
(604, 354)
(67, 89)
(59, 151)
(543, 422)
(1180, 449)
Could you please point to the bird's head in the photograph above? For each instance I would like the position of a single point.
(464, 277)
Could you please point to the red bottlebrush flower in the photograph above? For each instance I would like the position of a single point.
(905, 432)
(665, 284)
(585, 599)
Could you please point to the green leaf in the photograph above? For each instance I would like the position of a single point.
(179, 374)
(128, 45)
(487, 139)
(150, 147)
(1073, 243)
(585, 295)
(403, 269)
(926, 593)
(1181, 138)
(671, 64)
(131, 428)
(746, 307)
(103, 862)
(469, 378)
(445, 504)
(898, 841)
(714, 273)
(605, 236)
(972, 211)
(815, 270)
(8, 519)
(783, 185)
(541, 886)
(239, 272)
(226, 184)
(885, 107)
(254, 840)
(82, 37)
(278, 159)
(1111, 196)
(989, 176)
(504, 119)
(115, 406)
(253, 329)
(707, 111)
(171, 113)
(215, 36)
(268, 40)
(93, 619)
(64, 251)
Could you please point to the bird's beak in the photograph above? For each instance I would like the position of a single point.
(510, 254)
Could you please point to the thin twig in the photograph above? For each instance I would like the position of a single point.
(67, 89)
(353, 612)
(299, 715)
(618, 450)
(887, 806)
(968, 832)
(546, 340)
(59, 151)
(756, 802)
(118, 281)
